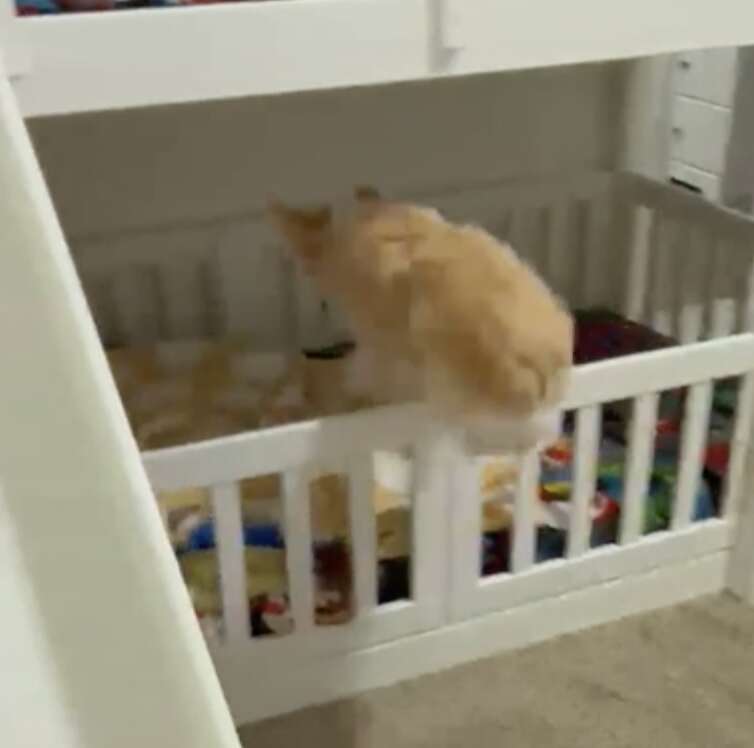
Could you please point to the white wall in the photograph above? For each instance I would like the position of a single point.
(152, 167)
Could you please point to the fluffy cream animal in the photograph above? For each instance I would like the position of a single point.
(443, 313)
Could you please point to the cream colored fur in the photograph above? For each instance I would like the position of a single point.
(442, 312)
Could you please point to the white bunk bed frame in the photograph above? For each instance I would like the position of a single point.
(117, 659)
(454, 614)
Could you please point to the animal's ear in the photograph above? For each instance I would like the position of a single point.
(305, 229)
(366, 194)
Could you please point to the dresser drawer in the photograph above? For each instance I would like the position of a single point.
(700, 133)
(708, 74)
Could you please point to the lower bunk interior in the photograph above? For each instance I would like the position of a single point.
(194, 324)
(182, 392)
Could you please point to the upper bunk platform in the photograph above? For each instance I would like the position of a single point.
(133, 58)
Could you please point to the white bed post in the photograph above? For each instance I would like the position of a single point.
(99, 643)
(740, 579)
(739, 494)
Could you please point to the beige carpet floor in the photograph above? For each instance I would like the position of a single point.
(679, 678)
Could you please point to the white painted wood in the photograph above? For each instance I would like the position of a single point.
(219, 52)
(130, 259)
(738, 182)
(662, 277)
(274, 450)
(700, 134)
(596, 267)
(738, 503)
(76, 505)
(324, 680)
(684, 205)
(557, 267)
(740, 578)
(466, 535)
(722, 304)
(231, 276)
(747, 305)
(363, 532)
(14, 52)
(645, 115)
(226, 510)
(641, 440)
(737, 480)
(235, 457)
(600, 565)
(385, 624)
(527, 496)
(664, 369)
(707, 74)
(492, 35)
(298, 547)
(26, 655)
(431, 527)
(642, 227)
(386, 40)
(694, 440)
(693, 278)
(586, 454)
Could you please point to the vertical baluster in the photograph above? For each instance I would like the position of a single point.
(585, 478)
(431, 520)
(298, 546)
(557, 260)
(527, 496)
(643, 228)
(736, 478)
(696, 419)
(747, 306)
(596, 272)
(467, 530)
(226, 510)
(638, 466)
(721, 307)
(661, 278)
(693, 279)
(363, 532)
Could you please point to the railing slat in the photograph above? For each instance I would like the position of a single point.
(692, 279)
(298, 546)
(584, 479)
(638, 466)
(736, 479)
(642, 230)
(696, 420)
(363, 532)
(226, 510)
(721, 304)
(466, 537)
(557, 269)
(527, 496)
(431, 519)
